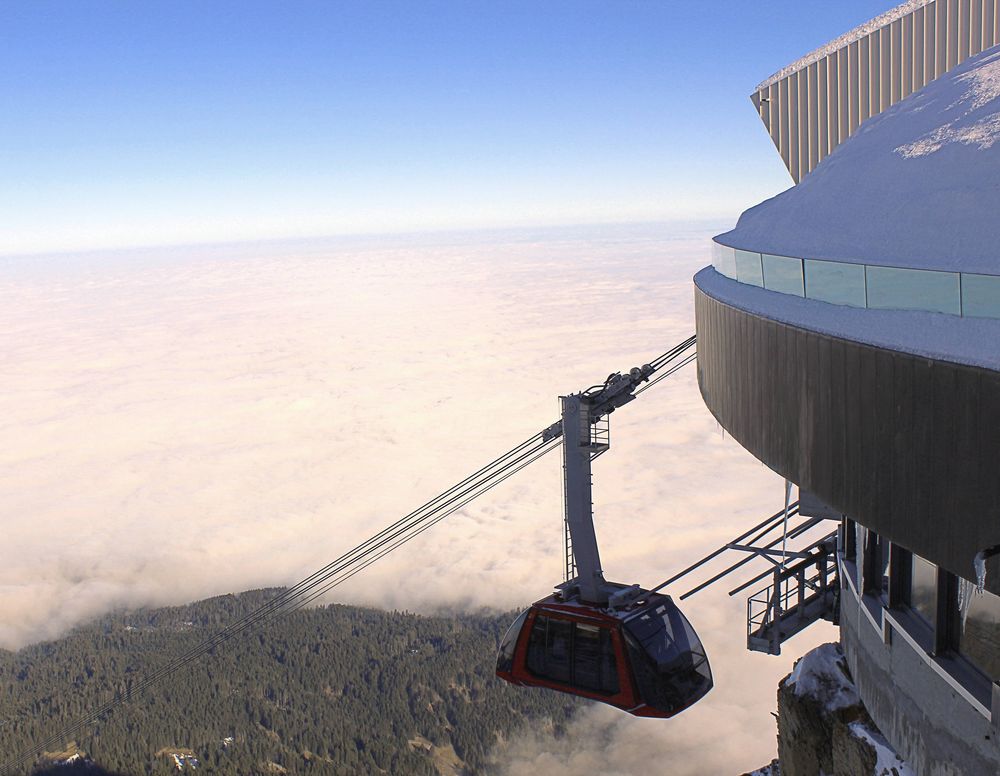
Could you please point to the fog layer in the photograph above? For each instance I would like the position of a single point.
(177, 424)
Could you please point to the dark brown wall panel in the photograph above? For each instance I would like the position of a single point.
(907, 445)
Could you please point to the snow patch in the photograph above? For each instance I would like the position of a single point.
(983, 134)
(822, 674)
(983, 88)
(985, 83)
(888, 763)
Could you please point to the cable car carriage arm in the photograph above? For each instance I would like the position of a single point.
(614, 643)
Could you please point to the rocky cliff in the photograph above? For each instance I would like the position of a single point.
(823, 728)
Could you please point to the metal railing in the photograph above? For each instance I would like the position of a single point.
(799, 595)
(600, 436)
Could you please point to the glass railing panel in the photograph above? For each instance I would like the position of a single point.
(893, 288)
(835, 282)
(981, 295)
(860, 285)
(748, 268)
(724, 260)
(783, 274)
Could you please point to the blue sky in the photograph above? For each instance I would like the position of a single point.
(129, 123)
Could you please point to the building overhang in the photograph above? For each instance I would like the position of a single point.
(813, 105)
(904, 443)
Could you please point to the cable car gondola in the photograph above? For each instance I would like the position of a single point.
(617, 644)
(644, 658)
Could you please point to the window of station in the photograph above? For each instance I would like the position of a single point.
(859, 548)
(941, 612)
(923, 592)
(979, 633)
(849, 547)
(900, 573)
(876, 564)
(849, 539)
(573, 653)
(891, 556)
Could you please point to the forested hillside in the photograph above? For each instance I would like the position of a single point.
(339, 690)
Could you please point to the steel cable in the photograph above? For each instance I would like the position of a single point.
(347, 565)
(483, 479)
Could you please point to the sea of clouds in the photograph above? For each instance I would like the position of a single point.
(187, 422)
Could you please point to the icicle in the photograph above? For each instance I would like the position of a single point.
(979, 563)
(966, 590)
(784, 538)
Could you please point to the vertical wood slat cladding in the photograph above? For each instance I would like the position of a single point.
(869, 74)
(906, 445)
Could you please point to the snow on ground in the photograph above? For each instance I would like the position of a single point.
(973, 341)
(916, 186)
(822, 674)
(888, 763)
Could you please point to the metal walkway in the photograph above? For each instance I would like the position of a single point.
(803, 588)
(798, 596)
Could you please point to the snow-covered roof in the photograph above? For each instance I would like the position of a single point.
(917, 186)
(846, 39)
(972, 341)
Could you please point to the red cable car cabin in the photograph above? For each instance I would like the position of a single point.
(645, 659)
